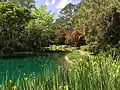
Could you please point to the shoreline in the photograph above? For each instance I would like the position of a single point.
(68, 60)
(65, 62)
(28, 53)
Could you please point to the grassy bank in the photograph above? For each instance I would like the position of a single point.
(96, 72)
(88, 73)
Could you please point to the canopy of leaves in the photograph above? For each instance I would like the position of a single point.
(40, 28)
(100, 20)
(23, 3)
(66, 24)
(21, 29)
(13, 20)
(64, 18)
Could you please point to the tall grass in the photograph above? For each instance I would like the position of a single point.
(88, 73)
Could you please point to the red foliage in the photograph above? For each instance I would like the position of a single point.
(71, 37)
(75, 37)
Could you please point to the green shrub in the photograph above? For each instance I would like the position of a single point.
(13, 19)
(84, 48)
(114, 53)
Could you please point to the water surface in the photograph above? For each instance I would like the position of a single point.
(11, 68)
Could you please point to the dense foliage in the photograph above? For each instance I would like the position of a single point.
(40, 28)
(97, 21)
(100, 21)
(65, 27)
(91, 22)
(23, 3)
(22, 30)
(13, 20)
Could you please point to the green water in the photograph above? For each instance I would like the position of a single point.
(11, 68)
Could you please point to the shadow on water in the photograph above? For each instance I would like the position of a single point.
(45, 63)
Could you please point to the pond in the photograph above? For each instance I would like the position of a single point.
(11, 68)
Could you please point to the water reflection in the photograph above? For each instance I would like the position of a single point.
(12, 68)
(31, 66)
